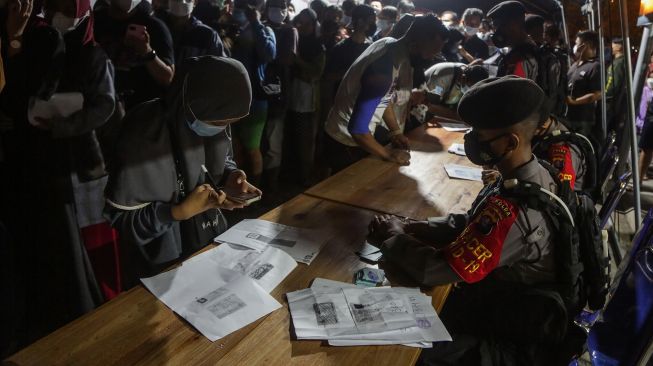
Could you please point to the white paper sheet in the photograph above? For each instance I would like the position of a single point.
(316, 316)
(458, 149)
(454, 127)
(463, 172)
(224, 310)
(301, 244)
(370, 253)
(59, 105)
(214, 299)
(268, 268)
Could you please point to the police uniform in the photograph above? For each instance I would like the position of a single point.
(500, 245)
(567, 157)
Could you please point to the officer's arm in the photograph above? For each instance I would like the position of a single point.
(421, 261)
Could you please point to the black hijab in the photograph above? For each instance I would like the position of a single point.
(309, 47)
(216, 88)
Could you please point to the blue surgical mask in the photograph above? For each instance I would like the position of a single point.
(205, 129)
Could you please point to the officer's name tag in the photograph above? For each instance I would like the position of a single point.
(477, 250)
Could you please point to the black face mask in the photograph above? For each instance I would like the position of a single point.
(499, 40)
(371, 30)
(480, 152)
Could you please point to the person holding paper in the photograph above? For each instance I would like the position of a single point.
(379, 83)
(501, 248)
(159, 198)
(51, 54)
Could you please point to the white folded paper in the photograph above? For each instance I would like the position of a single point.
(458, 149)
(301, 244)
(463, 172)
(349, 315)
(454, 127)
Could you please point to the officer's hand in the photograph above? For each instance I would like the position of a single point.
(490, 176)
(400, 142)
(401, 157)
(202, 198)
(383, 227)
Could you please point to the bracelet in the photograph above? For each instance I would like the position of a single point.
(395, 133)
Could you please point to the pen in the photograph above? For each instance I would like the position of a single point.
(211, 180)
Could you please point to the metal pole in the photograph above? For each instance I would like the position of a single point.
(604, 112)
(634, 158)
(564, 30)
(640, 66)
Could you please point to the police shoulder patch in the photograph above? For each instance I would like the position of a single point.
(560, 157)
(477, 250)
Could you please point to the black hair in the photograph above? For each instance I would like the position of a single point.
(552, 31)
(402, 26)
(589, 37)
(454, 15)
(476, 73)
(472, 12)
(618, 40)
(361, 12)
(349, 5)
(389, 12)
(426, 27)
(405, 6)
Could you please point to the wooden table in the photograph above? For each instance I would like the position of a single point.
(417, 191)
(136, 328)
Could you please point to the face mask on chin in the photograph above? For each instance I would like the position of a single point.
(383, 25)
(480, 152)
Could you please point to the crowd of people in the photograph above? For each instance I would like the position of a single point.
(123, 125)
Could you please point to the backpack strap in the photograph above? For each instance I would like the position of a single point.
(537, 197)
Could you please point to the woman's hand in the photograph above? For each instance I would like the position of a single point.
(237, 182)
(203, 198)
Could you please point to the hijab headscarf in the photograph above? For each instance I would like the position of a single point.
(309, 47)
(216, 88)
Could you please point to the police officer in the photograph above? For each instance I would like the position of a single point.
(501, 249)
(446, 83)
(568, 152)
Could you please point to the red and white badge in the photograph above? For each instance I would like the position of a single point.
(477, 250)
(560, 158)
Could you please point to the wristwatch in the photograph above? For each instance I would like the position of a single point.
(149, 56)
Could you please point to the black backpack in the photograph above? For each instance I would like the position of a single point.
(582, 264)
(552, 79)
(586, 149)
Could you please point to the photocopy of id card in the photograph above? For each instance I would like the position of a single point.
(463, 172)
(458, 149)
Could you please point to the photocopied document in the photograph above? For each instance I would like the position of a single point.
(59, 105)
(454, 127)
(301, 244)
(223, 289)
(267, 268)
(463, 172)
(349, 315)
(370, 253)
(458, 149)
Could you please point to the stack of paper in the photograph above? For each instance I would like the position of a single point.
(301, 244)
(349, 315)
(223, 289)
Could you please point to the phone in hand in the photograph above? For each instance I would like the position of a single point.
(245, 198)
(136, 32)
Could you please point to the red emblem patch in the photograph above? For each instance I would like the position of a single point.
(477, 250)
(560, 157)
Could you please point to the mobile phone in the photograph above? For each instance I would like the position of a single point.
(136, 31)
(246, 198)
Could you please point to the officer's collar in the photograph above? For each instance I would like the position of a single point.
(527, 171)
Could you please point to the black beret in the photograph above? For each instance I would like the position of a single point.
(507, 10)
(500, 102)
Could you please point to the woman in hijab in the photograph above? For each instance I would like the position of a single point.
(50, 59)
(159, 198)
(307, 70)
